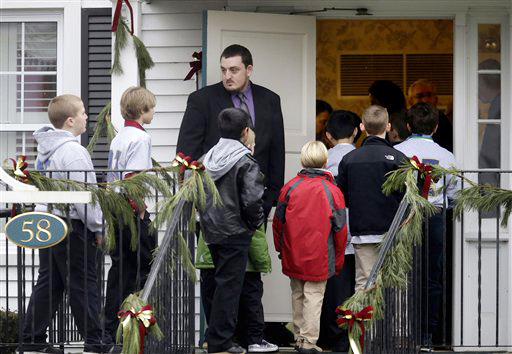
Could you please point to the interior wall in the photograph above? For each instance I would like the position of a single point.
(335, 37)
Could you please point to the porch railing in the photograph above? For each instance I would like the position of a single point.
(171, 296)
(475, 302)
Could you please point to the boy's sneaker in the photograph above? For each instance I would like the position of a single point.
(44, 350)
(263, 347)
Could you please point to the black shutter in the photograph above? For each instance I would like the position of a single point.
(96, 79)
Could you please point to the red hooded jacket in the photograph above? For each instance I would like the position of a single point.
(309, 226)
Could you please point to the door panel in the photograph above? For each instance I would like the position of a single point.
(284, 54)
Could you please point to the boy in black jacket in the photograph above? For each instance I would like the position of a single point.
(361, 174)
(228, 228)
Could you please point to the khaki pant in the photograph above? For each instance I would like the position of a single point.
(307, 299)
(366, 256)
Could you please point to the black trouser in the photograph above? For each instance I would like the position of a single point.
(129, 269)
(81, 285)
(230, 262)
(338, 289)
(251, 320)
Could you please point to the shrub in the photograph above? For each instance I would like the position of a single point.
(8, 331)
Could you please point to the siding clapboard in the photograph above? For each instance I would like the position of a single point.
(172, 32)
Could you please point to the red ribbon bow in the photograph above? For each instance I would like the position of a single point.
(346, 316)
(117, 15)
(144, 317)
(186, 162)
(426, 172)
(195, 65)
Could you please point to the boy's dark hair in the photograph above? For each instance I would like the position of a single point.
(235, 50)
(398, 122)
(341, 124)
(232, 121)
(387, 94)
(322, 106)
(423, 118)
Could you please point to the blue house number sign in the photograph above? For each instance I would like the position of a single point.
(36, 230)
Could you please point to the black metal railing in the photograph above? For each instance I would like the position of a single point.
(171, 296)
(475, 282)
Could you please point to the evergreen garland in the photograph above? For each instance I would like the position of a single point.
(484, 198)
(103, 124)
(119, 45)
(192, 189)
(144, 60)
(112, 197)
(398, 262)
(128, 331)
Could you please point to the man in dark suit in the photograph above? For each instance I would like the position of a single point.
(199, 132)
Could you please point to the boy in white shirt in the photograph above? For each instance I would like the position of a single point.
(423, 119)
(130, 151)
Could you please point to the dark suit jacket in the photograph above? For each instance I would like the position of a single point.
(199, 131)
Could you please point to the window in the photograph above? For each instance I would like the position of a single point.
(359, 71)
(28, 81)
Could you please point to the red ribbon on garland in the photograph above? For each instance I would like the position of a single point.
(195, 65)
(20, 165)
(117, 15)
(186, 162)
(426, 172)
(144, 317)
(349, 318)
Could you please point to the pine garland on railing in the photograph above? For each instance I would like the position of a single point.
(398, 262)
(112, 197)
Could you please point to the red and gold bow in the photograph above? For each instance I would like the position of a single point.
(144, 317)
(186, 162)
(117, 15)
(348, 318)
(196, 65)
(21, 174)
(20, 166)
(426, 172)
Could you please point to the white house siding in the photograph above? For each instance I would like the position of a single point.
(172, 32)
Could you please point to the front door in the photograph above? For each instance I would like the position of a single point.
(284, 54)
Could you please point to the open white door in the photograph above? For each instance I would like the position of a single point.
(284, 55)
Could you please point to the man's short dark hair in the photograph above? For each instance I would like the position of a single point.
(232, 122)
(387, 94)
(423, 118)
(341, 124)
(398, 122)
(322, 106)
(235, 50)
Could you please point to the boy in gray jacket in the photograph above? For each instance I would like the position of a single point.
(228, 228)
(59, 150)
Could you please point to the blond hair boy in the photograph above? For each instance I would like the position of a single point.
(361, 175)
(130, 152)
(310, 211)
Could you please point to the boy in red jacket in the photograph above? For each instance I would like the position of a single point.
(310, 234)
